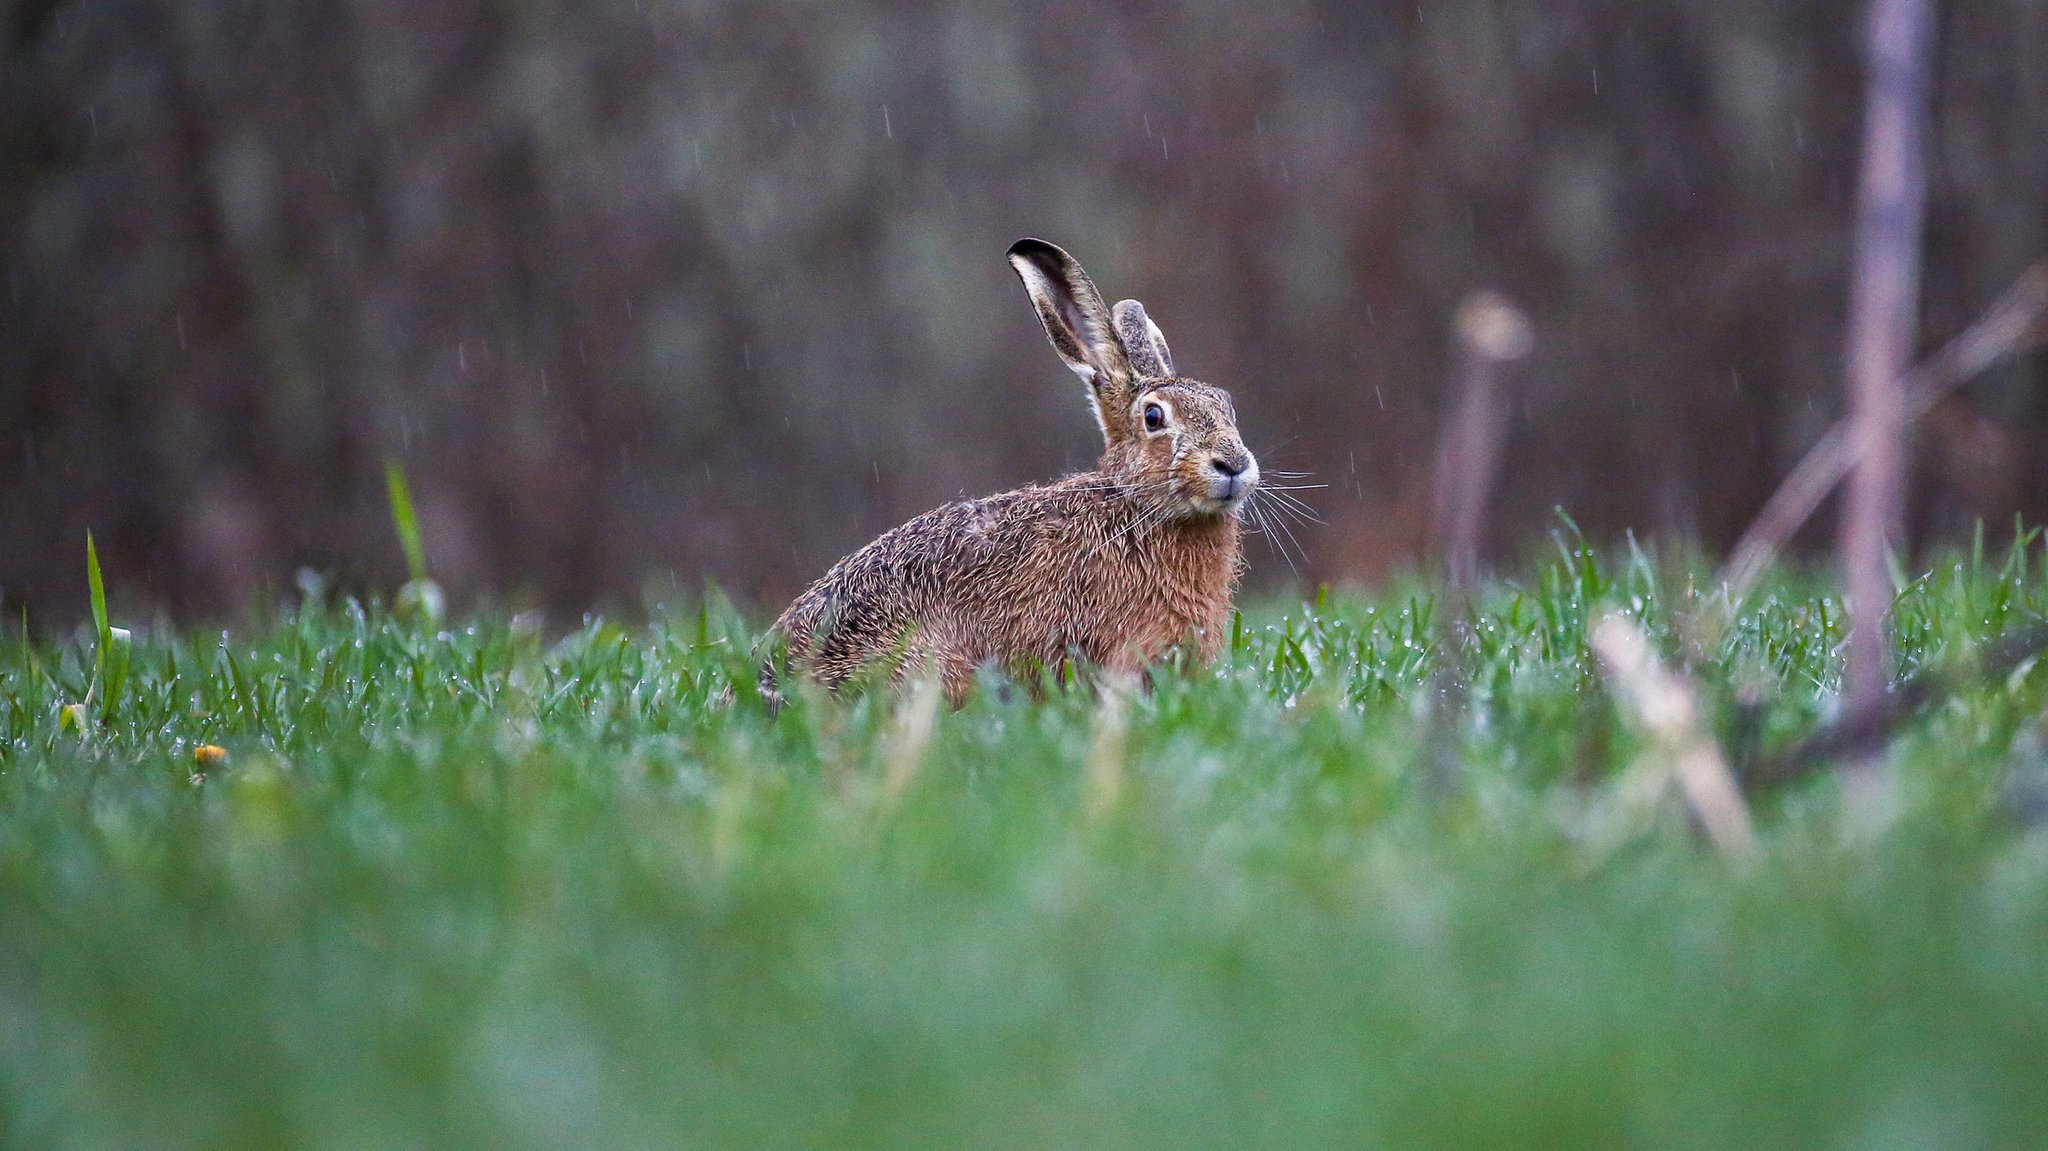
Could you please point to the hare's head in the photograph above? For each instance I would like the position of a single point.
(1173, 441)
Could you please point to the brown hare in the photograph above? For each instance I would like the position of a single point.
(1115, 567)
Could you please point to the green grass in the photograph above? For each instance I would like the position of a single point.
(473, 886)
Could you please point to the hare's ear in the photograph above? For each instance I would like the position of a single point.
(1143, 341)
(1080, 328)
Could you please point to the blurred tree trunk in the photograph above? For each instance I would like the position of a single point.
(1883, 315)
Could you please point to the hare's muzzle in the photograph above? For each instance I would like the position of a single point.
(1232, 476)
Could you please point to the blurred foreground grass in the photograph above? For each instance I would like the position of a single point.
(480, 887)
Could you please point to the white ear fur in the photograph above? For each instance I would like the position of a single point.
(1159, 345)
(1088, 375)
(1158, 340)
(1143, 341)
(1080, 327)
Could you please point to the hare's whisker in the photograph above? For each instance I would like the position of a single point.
(1144, 519)
(1280, 491)
(1277, 515)
(1135, 530)
(1282, 547)
(1263, 527)
(1258, 521)
(1281, 497)
(1295, 507)
(1281, 522)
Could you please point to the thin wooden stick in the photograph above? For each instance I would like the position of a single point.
(1492, 333)
(2012, 326)
(1666, 707)
(1884, 294)
(1858, 735)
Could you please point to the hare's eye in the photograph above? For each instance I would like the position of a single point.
(1155, 417)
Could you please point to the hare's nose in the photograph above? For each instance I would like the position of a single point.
(1231, 468)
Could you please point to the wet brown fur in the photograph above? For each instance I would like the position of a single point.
(1116, 567)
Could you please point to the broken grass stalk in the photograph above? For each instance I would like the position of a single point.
(1666, 707)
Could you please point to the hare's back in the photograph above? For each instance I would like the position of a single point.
(901, 580)
(963, 559)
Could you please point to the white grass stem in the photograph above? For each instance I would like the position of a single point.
(1665, 706)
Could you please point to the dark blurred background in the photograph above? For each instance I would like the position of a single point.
(681, 291)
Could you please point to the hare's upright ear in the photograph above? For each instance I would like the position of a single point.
(1143, 341)
(1081, 330)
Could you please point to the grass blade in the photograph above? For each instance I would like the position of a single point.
(116, 646)
(405, 521)
(99, 589)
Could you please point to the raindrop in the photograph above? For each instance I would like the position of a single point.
(182, 346)
(92, 113)
(462, 358)
(888, 129)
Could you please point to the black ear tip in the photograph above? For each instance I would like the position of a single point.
(1038, 252)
